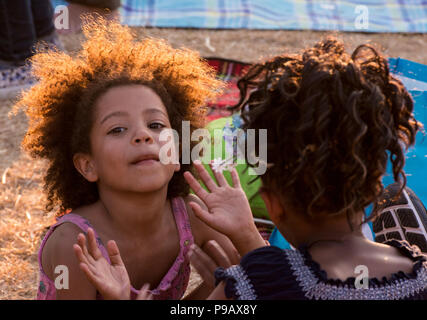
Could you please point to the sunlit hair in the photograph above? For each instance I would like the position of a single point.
(333, 120)
(60, 107)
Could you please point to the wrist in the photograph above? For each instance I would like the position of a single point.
(248, 240)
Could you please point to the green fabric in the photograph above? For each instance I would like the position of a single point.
(256, 203)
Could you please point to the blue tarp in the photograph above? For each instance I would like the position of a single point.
(414, 77)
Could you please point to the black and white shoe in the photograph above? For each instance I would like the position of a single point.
(15, 79)
(404, 218)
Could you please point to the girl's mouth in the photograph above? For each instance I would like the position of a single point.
(146, 162)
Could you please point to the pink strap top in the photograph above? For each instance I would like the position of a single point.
(173, 284)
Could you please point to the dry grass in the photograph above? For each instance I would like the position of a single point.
(22, 224)
(255, 45)
(22, 217)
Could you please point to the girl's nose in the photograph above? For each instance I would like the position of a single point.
(143, 135)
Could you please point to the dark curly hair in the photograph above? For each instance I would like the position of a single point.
(60, 106)
(332, 122)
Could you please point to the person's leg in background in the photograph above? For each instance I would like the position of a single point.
(43, 12)
(100, 4)
(22, 24)
(17, 32)
(17, 38)
(105, 8)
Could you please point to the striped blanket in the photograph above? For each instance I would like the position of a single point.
(228, 71)
(344, 15)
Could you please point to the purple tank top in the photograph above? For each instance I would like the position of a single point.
(173, 284)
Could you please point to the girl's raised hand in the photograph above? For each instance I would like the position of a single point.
(228, 208)
(111, 280)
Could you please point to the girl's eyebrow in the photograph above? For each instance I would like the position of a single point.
(125, 114)
(115, 114)
(155, 110)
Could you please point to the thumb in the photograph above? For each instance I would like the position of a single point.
(202, 214)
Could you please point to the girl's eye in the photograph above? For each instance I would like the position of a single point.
(156, 125)
(117, 130)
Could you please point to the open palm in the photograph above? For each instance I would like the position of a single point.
(111, 280)
(227, 208)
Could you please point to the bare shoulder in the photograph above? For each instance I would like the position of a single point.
(59, 251)
(380, 259)
(60, 243)
(394, 256)
(59, 246)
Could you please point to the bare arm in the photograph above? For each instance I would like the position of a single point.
(58, 251)
(218, 293)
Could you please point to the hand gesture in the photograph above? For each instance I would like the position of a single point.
(111, 280)
(228, 209)
(208, 259)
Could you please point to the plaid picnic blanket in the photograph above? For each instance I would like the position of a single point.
(228, 71)
(344, 15)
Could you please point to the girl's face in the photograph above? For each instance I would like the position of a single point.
(125, 142)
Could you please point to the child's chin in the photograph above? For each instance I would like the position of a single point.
(152, 185)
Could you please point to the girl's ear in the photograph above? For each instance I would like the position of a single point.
(274, 206)
(84, 164)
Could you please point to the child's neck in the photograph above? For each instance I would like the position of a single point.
(135, 214)
(335, 229)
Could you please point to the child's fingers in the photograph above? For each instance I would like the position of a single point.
(204, 175)
(219, 176)
(195, 185)
(93, 245)
(85, 269)
(81, 241)
(203, 264)
(90, 267)
(144, 293)
(79, 254)
(235, 178)
(235, 256)
(91, 277)
(114, 253)
(202, 214)
(215, 251)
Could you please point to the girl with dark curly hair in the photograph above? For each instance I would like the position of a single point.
(333, 120)
(96, 118)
